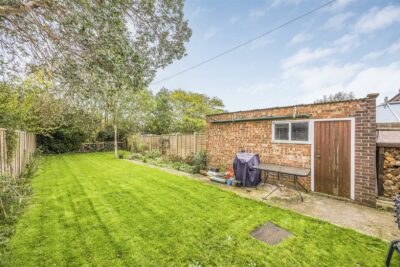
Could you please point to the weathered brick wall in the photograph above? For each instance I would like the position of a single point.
(224, 140)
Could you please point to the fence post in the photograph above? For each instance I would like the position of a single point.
(194, 143)
(176, 136)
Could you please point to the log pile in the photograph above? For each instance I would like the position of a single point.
(391, 172)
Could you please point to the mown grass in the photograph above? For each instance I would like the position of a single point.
(89, 209)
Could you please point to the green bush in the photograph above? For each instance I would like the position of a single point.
(136, 156)
(191, 164)
(14, 193)
(174, 158)
(107, 134)
(200, 161)
(135, 144)
(154, 154)
(61, 141)
(187, 168)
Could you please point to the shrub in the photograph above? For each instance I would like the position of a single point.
(200, 161)
(107, 134)
(136, 156)
(61, 141)
(187, 168)
(174, 158)
(154, 154)
(189, 159)
(13, 195)
(135, 144)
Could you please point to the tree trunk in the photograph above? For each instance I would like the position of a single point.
(115, 141)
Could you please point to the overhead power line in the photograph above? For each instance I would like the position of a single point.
(245, 42)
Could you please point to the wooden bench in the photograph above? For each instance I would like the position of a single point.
(280, 169)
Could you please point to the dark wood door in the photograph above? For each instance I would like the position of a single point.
(332, 152)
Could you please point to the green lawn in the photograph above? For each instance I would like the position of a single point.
(89, 209)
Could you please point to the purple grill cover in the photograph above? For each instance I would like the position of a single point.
(243, 166)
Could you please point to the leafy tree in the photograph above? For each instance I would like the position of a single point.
(180, 111)
(53, 31)
(138, 112)
(161, 118)
(100, 51)
(191, 108)
(118, 63)
(339, 96)
(32, 105)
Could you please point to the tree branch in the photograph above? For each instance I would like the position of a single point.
(7, 10)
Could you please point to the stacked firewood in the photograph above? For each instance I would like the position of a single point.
(391, 172)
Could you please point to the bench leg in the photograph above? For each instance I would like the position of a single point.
(295, 185)
(393, 245)
(265, 177)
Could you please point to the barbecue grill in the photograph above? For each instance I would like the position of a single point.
(244, 167)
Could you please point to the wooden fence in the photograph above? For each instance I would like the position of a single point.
(25, 147)
(181, 145)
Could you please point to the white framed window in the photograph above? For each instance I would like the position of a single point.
(297, 132)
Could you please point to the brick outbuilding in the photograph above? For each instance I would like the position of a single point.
(335, 140)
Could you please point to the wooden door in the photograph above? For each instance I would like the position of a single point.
(332, 157)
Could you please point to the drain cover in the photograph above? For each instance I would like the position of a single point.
(270, 234)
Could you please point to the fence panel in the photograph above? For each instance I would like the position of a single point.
(181, 145)
(24, 149)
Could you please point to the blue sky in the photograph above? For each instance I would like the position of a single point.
(352, 45)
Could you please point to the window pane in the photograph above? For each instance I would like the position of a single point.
(282, 131)
(299, 131)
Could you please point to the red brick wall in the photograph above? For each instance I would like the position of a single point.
(224, 140)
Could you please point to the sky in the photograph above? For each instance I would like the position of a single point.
(351, 46)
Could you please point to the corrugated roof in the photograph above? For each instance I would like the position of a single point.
(387, 113)
(388, 138)
(396, 96)
(289, 106)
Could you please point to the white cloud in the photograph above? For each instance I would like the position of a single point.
(233, 19)
(329, 78)
(313, 82)
(263, 41)
(301, 38)
(341, 4)
(277, 3)
(199, 11)
(257, 13)
(338, 21)
(384, 80)
(306, 55)
(306, 84)
(392, 49)
(347, 42)
(256, 88)
(210, 32)
(377, 19)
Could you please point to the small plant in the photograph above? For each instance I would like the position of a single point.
(121, 155)
(136, 144)
(187, 168)
(136, 156)
(13, 195)
(154, 154)
(174, 158)
(200, 161)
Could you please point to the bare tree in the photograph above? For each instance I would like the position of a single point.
(339, 96)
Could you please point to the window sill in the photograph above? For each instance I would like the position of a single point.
(291, 142)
